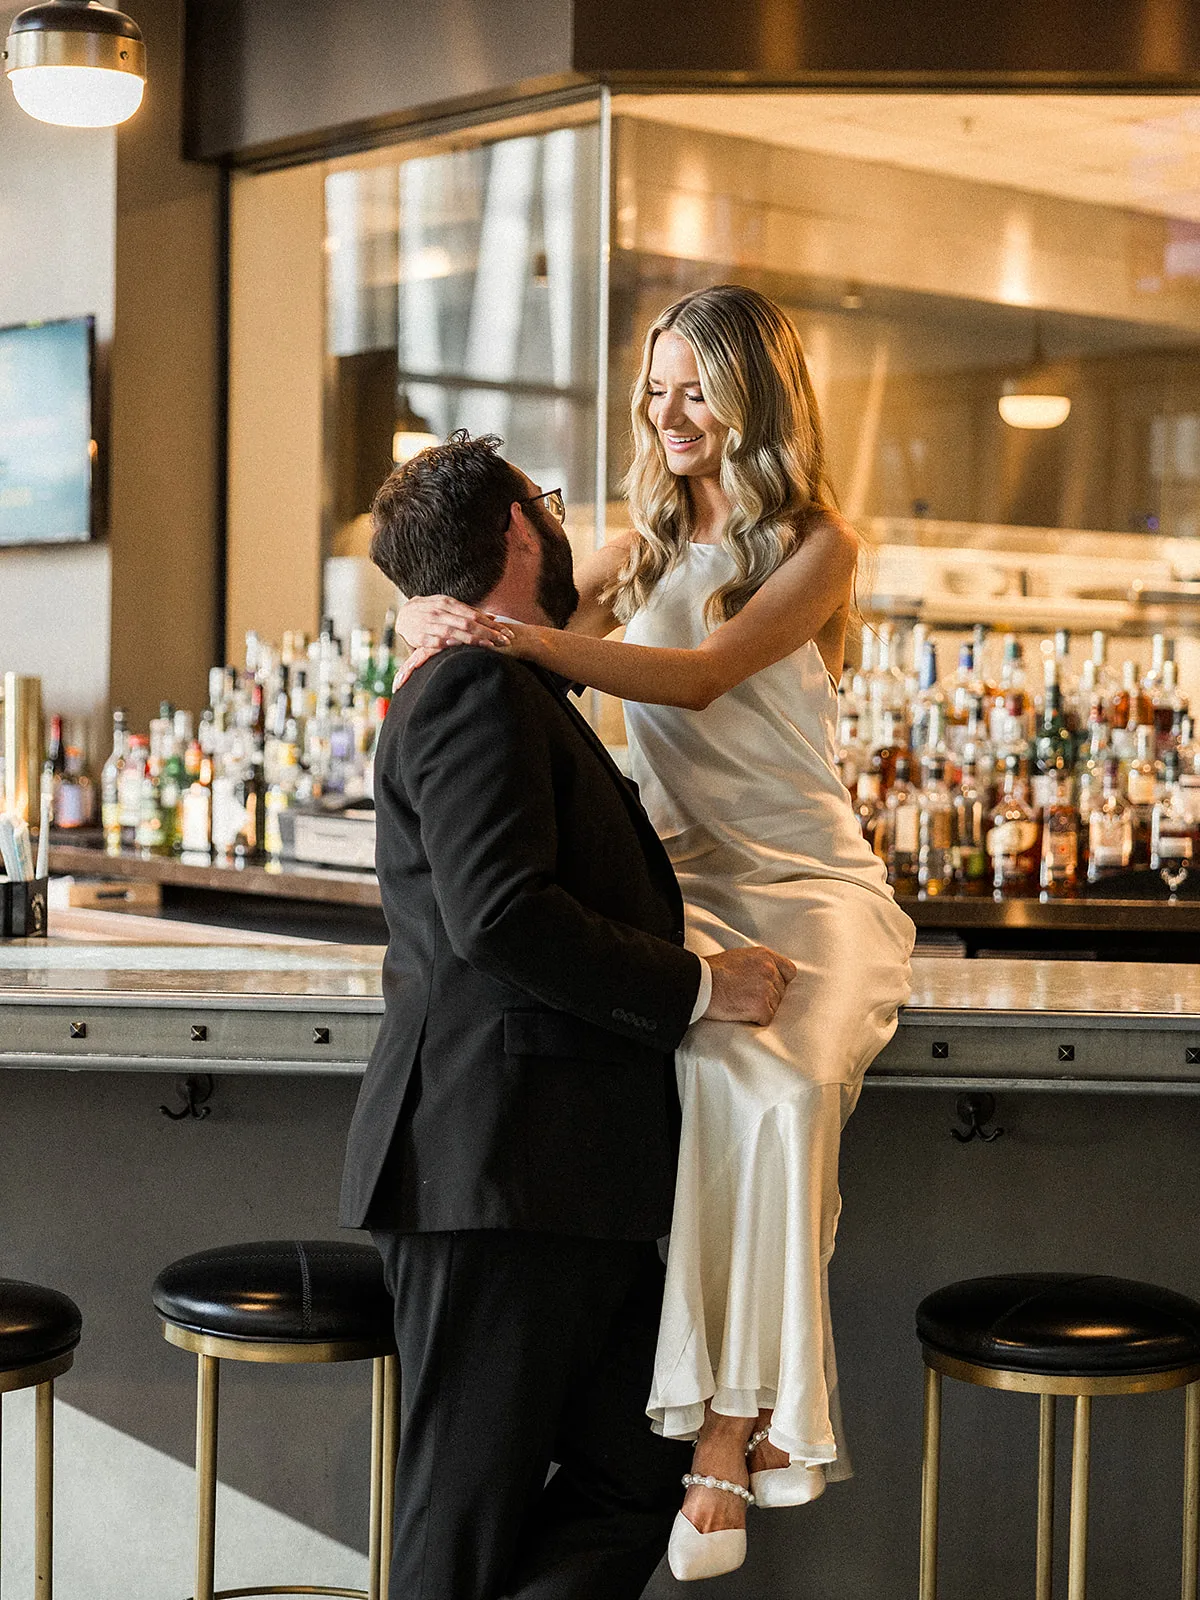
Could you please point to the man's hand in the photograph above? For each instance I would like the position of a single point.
(748, 984)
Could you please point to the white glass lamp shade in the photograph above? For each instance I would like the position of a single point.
(408, 442)
(76, 63)
(1034, 410)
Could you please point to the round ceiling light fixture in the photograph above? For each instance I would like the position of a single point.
(76, 63)
(1034, 410)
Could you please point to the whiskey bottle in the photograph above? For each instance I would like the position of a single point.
(1110, 828)
(1012, 837)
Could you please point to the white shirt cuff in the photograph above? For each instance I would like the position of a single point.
(704, 996)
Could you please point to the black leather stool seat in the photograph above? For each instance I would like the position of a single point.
(1058, 1323)
(36, 1324)
(300, 1291)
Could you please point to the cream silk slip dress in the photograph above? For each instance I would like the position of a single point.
(762, 835)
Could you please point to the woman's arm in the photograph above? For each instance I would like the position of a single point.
(431, 622)
(794, 605)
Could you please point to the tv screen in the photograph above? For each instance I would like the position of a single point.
(46, 432)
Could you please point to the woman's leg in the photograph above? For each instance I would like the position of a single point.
(765, 1456)
(720, 1453)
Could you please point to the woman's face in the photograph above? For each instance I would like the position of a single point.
(691, 437)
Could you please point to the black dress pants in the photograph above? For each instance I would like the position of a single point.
(518, 1350)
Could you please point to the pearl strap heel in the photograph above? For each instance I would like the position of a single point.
(692, 1554)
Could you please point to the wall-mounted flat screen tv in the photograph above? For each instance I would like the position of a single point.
(46, 432)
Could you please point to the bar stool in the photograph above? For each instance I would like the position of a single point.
(39, 1329)
(289, 1301)
(1052, 1333)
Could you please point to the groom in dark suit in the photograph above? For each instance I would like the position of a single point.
(513, 1147)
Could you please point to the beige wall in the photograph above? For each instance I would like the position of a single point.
(165, 396)
(57, 236)
(275, 446)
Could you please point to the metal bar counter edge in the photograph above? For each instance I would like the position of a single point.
(111, 991)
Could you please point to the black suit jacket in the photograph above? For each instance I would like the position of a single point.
(535, 986)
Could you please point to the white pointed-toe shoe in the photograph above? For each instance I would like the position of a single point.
(793, 1485)
(692, 1554)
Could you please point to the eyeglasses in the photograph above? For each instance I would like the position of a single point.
(555, 504)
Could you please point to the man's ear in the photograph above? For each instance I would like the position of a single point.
(521, 534)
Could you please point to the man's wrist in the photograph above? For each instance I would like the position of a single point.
(704, 993)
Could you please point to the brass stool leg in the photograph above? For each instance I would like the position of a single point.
(375, 1546)
(1080, 1459)
(208, 1382)
(930, 1460)
(1191, 1490)
(391, 1441)
(1045, 1517)
(43, 1472)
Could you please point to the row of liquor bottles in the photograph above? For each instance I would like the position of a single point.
(981, 786)
(298, 722)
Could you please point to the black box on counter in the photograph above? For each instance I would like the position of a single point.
(23, 908)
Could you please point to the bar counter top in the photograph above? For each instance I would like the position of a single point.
(291, 880)
(129, 993)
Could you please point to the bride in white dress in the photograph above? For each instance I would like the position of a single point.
(736, 585)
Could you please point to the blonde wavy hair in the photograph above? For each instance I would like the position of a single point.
(756, 382)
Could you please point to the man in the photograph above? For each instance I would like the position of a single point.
(513, 1147)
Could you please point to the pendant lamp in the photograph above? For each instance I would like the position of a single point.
(412, 433)
(1021, 408)
(76, 63)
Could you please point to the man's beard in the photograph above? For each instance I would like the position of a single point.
(556, 592)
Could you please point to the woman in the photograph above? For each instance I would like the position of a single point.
(736, 585)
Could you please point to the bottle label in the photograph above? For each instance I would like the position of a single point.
(1173, 847)
(1060, 851)
(1041, 790)
(906, 828)
(1142, 786)
(1012, 838)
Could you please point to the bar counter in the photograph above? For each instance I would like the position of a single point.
(114, 992)
(1095, 1168)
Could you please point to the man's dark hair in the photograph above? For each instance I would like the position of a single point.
(440, 519)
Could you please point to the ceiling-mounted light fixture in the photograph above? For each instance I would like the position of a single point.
(412, 432)
(1023, 409)
(76, 63)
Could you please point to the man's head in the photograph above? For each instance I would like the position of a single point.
(460, 520)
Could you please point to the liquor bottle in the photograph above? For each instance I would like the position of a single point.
(859, 685)
(965, 688)
(281, 791)
(935, 828)
(1141, 790)
(73, 797)
(130, 791)
(914, 676)
(110, 787)
(1110, 827)
(148, 835)
(195, 829)
(851, 754)
(382, 665)
(172, 785)
(1153, 676)
(868, 808)
(1054, 746)
(1173, 824)
(902, 830)
(972, 802)
(929, 706)
(1170, 708)
(1013, 836)
(56, 758)
(1011, 698)
(1090, 771)
(1059, 869)
(250, 795)
(890, 749)
(1106, 683)
(885, 686)
(1068, 682)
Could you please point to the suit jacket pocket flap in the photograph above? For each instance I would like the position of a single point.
(557, 1033)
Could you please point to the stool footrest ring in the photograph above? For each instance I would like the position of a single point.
(288, 1588)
